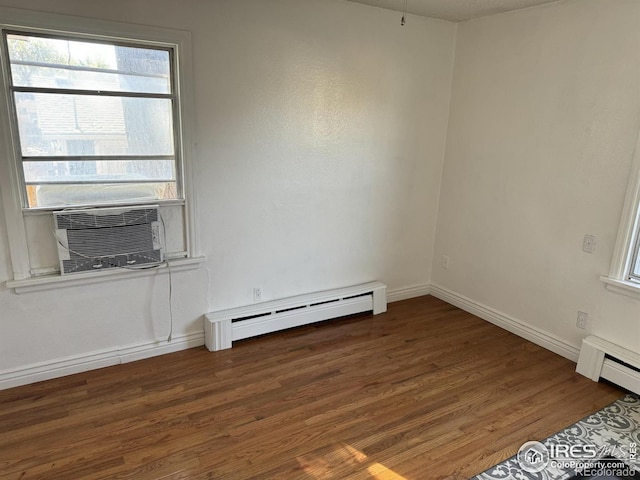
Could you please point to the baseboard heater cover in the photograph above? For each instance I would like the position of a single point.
(223, 327)
(602, 359)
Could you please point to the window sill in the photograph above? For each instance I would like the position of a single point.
(630, 289)
(49, 282)
(47, 210)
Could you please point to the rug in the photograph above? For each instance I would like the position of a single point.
(612, 432)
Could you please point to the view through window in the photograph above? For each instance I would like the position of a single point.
(95, 121)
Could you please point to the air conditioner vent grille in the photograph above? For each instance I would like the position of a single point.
(81, 221)
(99, 239)
(99, 242)
(81, 264)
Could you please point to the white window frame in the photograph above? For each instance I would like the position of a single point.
(179, 41)
(628, 239)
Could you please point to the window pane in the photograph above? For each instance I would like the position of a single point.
(99, 171)
(88, 194)
(636, 269)
(56, 63)
(62, 125)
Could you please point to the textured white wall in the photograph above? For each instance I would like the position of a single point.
(544, 120)
(321, 129)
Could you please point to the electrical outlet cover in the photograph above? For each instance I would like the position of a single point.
(257, 295)
(582, 321)
(589, 244)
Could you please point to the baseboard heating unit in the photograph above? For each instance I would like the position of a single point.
(602, 359)
(223, 327)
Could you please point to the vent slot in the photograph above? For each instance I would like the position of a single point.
(620, 362)
(329, 301)
(355, 296)
(291, 309)
(249, 317)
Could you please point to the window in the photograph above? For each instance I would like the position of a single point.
(92, 113)
(624, 276)
(94, 120)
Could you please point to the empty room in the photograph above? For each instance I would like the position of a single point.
(320, 239)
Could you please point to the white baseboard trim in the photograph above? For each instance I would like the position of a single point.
(509, 323)
(90, 361)
(398, 294)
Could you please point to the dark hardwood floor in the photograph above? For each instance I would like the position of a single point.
(425, 391)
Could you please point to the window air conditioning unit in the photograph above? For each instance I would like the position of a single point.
(103, 238)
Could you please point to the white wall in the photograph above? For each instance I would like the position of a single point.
(544, 120)
(321, 130)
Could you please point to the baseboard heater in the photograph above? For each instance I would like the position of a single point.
(223, 327)
(602, 359)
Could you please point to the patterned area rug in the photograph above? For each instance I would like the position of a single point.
(614, 432)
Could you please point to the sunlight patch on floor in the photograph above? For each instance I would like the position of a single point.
(343, 459)
(380, 472)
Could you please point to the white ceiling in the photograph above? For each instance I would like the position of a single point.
(454, 10)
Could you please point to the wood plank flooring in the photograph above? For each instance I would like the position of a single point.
(425, 391)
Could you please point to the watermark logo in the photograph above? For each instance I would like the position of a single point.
(533, 457)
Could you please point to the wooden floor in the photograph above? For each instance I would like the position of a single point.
(425, 391)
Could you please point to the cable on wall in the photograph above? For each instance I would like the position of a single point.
(127, 267)
(166, 262)
(404, 14)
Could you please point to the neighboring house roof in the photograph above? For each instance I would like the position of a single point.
(71, 115)
(76, 114)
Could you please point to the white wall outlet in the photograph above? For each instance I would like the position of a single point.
(582, 321)
(589, 244)
(444, 262)
(257, 295)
